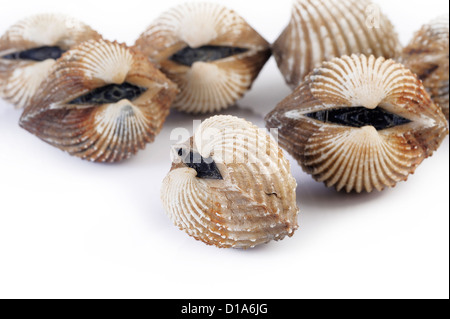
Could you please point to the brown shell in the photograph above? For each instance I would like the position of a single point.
(19, 79)
(205, 86)
(98, 132)
(254, 202)
(427, 55)
(359, 158)
(325, 29)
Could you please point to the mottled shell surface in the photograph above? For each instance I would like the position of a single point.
(20, 78)
(359, 123)
(206, 86)
(320, 30)
(101, 102)
(253, 203)
(427, 55)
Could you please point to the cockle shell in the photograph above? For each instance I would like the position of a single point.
(427, 55)
(359, 123)
(20, 76)
(101, 102)
(238, 192)
(320, 30)
(209, 51)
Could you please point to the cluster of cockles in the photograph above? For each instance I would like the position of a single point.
(363, 115)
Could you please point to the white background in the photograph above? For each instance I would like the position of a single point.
(70, 228)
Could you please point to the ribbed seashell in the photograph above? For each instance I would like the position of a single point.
(320, 30)
(230, 186)
(101, 102)
(29, 49)
(427, 55)
(359, 123)
(209, 51)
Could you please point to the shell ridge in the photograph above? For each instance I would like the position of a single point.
(322, 30)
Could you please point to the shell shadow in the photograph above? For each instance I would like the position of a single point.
(238, 110)
(266, 96)
(9, 116)
(316, 195)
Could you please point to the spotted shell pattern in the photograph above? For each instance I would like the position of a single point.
(19, 79)
(108, 132)
(359, 158)
(320, 30)
(205, 86)
(255, 202)
(427, 55)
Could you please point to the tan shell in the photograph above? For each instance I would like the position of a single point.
(359, 158)
(320, 30)
(93, 131)
(205, 86)
(254, 203)
(19, 79)
(427, 55)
